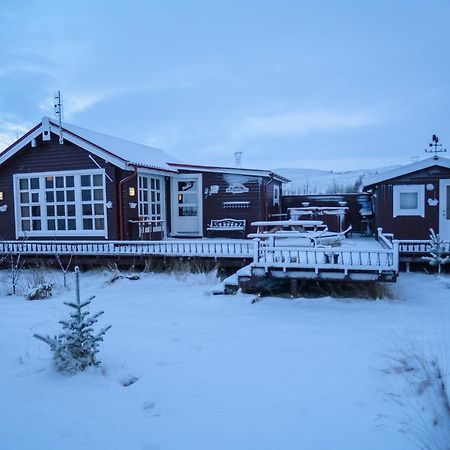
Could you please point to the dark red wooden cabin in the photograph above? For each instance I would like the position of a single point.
(94, 186)
(410, 200)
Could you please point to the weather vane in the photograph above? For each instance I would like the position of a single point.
(435, 147)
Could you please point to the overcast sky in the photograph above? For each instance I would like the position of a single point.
(313, 84)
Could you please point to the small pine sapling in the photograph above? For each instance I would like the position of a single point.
(77, 346)
(437, 250)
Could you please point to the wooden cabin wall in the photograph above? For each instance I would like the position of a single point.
(213, 204)
(409, 227)
(51, 156)
(355, 202)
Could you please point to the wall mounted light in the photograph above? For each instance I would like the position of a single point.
(131, 191)
(1, 196)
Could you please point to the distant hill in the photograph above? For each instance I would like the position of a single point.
(313, 181)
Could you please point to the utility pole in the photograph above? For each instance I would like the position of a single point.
(237, 158)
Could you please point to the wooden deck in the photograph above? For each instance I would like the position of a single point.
(356, 259)
(362, 259)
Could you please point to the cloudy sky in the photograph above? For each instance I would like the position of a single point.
(316, 84)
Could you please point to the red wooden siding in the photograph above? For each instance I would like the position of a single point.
(213, 204)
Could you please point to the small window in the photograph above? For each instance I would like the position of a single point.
(409, 200)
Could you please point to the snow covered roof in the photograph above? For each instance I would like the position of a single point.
(409, 168)
(232, 170)
(131, 152)
(118, 151)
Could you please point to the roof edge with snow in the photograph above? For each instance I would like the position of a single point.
(93, 142)
(231, 170)
(409, 168)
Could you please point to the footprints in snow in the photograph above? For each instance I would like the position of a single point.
(148, 407)
(128, 380)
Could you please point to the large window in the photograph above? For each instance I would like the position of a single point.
(60, 203)
(150, 190)
(409, 200)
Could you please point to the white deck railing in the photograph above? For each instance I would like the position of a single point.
(322, 258)
(189, 248)
(386, 240)
(263, 254)
(418, 246)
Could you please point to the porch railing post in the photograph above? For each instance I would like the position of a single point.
(256, 244)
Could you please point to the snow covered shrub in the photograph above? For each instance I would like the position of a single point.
(427, 380)
(40, 291)
(77, 346)
(116, 274)
(437, 251)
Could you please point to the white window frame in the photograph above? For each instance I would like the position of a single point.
(276, 195)
(162, 192)
(418, 189)
(43, 204)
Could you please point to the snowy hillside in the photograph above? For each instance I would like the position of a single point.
(313, 181)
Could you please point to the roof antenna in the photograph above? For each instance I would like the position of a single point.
(237, 158)
(436, 149)
(58, 105)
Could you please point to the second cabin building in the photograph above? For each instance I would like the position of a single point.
(73, 183)
(411, 199)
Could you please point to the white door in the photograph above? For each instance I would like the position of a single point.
(444, 209)
(187, 216)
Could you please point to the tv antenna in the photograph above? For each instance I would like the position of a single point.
(435, 147)
(237, 158)
(58, 106)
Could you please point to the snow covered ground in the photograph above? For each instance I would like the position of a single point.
(218, 372)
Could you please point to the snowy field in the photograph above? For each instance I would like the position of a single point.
(221, 372)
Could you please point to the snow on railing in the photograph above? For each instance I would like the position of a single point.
(326, 258)
(263, 254)
(190, 248)
(385, 239)
(418, 246)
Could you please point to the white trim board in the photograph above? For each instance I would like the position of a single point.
(12, 150)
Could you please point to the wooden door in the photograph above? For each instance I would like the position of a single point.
(187, 216)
